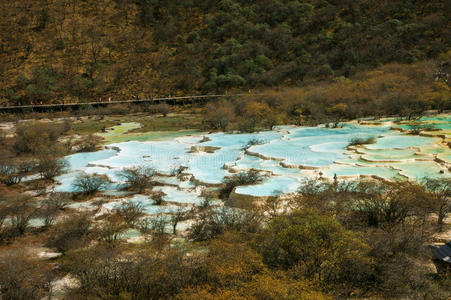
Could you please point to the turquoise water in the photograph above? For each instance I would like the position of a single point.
(66, 182)
(445, 157)
(162, 156)
(129, 233)
(299, 148)
(179, 196)
(439, 122)
(274, 186)
(440, 126)
(401, 141)
(120, 129)
(147, 204)
(83, 205)
(209, 168)
(79, 161)
(246, 162)
(343, 170)
(442, 118)
(421, 169)
(168, 180)
(390, 155)
(314, 146)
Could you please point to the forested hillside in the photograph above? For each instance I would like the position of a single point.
(52, 50)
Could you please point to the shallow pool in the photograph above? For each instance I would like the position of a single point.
(285, 153)
(397, 141)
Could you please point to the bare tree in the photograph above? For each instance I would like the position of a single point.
(130, 212)
(49, 166)
(21, 212)
(179, 215)
(58, 200)
(71, 233)
(157, 197)
(440, 190)
(112, 228)
(22, 277)
(89, 184)
(138, 178)
(10, 175)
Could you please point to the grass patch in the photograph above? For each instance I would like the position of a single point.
(172, 122)
(93, 125)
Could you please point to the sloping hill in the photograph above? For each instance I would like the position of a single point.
(67, 49)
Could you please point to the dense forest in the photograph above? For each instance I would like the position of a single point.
(55, 50)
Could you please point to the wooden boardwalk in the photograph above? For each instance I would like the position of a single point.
(180, 100)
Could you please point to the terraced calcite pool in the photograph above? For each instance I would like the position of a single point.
(288, 154)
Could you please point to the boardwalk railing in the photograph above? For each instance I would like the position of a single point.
(169, 100)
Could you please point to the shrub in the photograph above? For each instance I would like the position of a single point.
(50, 207)
(177, 171)
(179, 215)
(10, 175)
(3, 137)
(71, 233)
(39, 186)
(138, 178)
(130, 212)
(386, 204)
(112, 228)
(108, 273)
(429, 127)
(89, 184)
(65, 126)
(20, 211)
(163, 109)
(144, 226)
(89, 144)
(27, 164)
(4, 212)
(207, 198)
(23, 278)
(211, 222)
(440, 192)
(219, 116)
(158, 197)
(415, 129)
(243, 178)
(158, 224)
(247, 125)
(58, 200)
(48, 212)
(315, 246)
(253, 142)
(362, 141)
(396, 278)
(38, 137)
(50, 166)
(267, 286)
